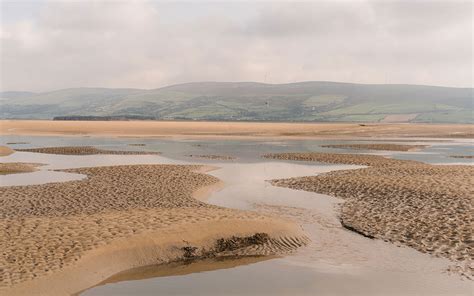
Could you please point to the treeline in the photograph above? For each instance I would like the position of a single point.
(104, 118)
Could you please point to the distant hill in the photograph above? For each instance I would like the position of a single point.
(303, 101)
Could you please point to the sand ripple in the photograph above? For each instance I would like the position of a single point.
(426, 207)
(49, 227)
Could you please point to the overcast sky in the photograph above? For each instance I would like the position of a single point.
(47, 45)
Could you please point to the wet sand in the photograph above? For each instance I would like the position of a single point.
(213, 156)
(5, 151)
(84, 150)
(385, 147)
(231, 129)
(17, 167)
(121, 217)
(462, 156)
(423, 206)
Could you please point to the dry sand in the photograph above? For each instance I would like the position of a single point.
(5, 151)
(61, 238)
(17, 167)
(83, 150)
(231, 129)
(423, 206)
(386, 147)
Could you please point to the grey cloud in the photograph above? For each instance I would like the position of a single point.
(148, 45)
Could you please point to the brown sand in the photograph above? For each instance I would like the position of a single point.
(423, 206)
(5, 151)
(84, 150)
(231, 129)
(213, 156)
(386, 147)
(17, 167)
(53, 236)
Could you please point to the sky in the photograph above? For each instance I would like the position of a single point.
(49, 45)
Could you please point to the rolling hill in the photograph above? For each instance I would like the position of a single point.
(303, 101)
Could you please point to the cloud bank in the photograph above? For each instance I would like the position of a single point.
(148, 44)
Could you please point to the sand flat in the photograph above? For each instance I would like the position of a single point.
(231, 129)
(426, 207)
(122, 217)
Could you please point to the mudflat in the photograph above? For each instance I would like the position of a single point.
(426, 207)
(232, 129)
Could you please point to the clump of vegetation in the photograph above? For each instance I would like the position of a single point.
(189, 252)
(236, 242)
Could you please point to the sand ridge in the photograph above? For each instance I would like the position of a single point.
(84, 150)
(213, 156)
(17, 167)
(118, 218)
(423, 206)
(385, 147)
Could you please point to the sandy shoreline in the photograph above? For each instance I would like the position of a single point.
(61, 238)
(231, 129)
(426, 207)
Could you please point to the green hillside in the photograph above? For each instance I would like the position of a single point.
(304, 101)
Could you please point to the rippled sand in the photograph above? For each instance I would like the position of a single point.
(213, 156)
(53, 235)
(423, 206)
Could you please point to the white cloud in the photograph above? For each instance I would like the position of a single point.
(149, 44)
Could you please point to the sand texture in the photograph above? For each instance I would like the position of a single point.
(122, 217)
(213, 156)
(386, 147)
(17, 167)
(231, 129)
(83, 150)
(5, 151)
(423, 206)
